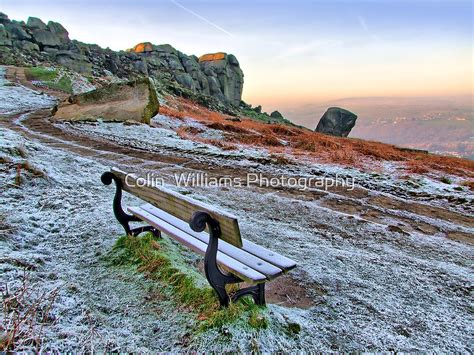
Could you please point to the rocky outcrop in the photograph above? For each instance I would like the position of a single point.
(336, 122)
(135, 100)
(277, 115)
(216, 75)
(225, 77)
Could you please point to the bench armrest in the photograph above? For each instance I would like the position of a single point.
(123, 217)
(200, 220)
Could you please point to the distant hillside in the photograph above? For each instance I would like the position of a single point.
(440, 125)
(215, 80)
(214, 75)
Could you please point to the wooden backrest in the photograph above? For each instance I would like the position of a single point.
(180, 206)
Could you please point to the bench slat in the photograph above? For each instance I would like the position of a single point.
(266, 254)
(180, 206)
(279, 261)
(262, 266)
(237, 268)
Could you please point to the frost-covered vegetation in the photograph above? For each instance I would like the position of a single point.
(15, 98)
(162, 261)
(59, 79)
(49, 77)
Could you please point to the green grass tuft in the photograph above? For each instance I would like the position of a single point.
(293, 328)
(49, 77)
(40, 73)
(257, 320)
(63, 84)
(162, 261)
(446, 180)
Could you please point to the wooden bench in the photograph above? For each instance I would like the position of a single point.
(206, 230)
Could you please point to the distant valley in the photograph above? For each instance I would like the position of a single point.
(440, 125)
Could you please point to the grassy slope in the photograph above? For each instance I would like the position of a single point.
(162, 261)
(301, 142)
(50, 78)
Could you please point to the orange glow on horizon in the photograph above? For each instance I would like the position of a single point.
(447, 74)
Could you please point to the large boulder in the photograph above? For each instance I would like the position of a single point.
(46, 38)
(225, 68)
(142, 47)
(4, 18)
(185, 80)
(336, 121)
(16, 31)
(26, 46)
(59, 31)
(118, 102)
(51, 35)
(35, 23)
(277, 115)
(74, 61)
(4, 40)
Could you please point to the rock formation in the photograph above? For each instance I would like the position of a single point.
(277, 115)
(33, 43)
(226, 79)
(336, 122)
(135, 100)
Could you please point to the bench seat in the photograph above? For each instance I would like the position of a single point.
(252, 263)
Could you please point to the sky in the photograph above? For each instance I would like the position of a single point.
(292, 52)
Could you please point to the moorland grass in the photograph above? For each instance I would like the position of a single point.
(161, 260)
(40, 73)
(63, 84)
(49, 77)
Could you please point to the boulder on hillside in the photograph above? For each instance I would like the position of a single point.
(35, 23)
(258, 109)
(16, 31)
(57, 29)
(46, 38)
(74, 61)
(135, 100)
(336, 121)
(26, 46)
(4, 18)
(141, 48)
(223, 69)
(4, 40)
(276, 115)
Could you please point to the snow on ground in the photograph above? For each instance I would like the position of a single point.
(374, 289)
(165, 140)
(63, 226)
(173, 124)
(155, 139)
(17, 98)
(382, 290)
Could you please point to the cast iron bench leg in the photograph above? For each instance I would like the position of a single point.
(257, 292)
(136, 231)
(214, 275)
(123, 217)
